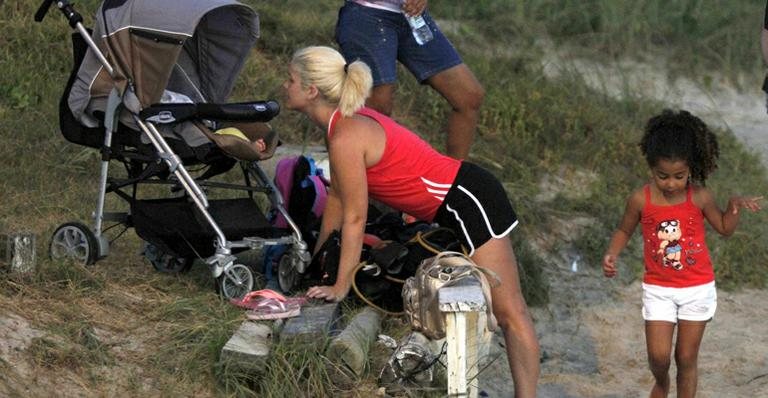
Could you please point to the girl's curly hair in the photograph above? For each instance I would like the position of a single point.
(681, 136)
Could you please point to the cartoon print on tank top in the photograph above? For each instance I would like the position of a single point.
(670, 235)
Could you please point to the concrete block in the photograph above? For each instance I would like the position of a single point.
(248, 348)
(314, 325)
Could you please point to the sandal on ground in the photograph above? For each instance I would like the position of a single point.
(269, 304)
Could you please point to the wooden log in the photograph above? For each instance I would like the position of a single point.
(248, 348)
(349, 350)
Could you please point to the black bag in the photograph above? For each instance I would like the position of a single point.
(383, 269)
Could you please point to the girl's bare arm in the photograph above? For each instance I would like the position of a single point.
(624, 232)
(724, 222)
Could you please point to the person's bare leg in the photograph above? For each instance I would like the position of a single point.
(512, 315)
(658, 341)
(465, 95)
(689, 336)
(382, 98)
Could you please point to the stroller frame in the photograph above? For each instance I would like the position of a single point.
(75, 241)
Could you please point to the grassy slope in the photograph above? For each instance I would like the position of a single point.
(119, 320)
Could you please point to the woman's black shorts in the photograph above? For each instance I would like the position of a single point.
(476, 208)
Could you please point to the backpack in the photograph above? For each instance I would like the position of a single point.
(305, 192)
(445, 269)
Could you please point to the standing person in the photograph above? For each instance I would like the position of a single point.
(377, 33)
(679, 282)
(372, 155)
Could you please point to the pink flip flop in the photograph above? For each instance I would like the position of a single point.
(269, 304)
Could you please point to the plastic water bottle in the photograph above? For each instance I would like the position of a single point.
(420, 29)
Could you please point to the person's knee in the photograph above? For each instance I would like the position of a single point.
(516, 320)
(686, 361)
(469, 99)
(475, 98)
(659, 364)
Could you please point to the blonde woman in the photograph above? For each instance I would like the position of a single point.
(371, 155)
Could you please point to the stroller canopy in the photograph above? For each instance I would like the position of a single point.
(191, 47)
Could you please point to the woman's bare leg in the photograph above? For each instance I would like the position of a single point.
(511, 312)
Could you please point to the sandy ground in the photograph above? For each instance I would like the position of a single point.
(733, 360)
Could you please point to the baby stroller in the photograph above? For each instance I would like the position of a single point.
(149, 89)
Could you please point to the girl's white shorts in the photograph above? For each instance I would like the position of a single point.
(695, 303)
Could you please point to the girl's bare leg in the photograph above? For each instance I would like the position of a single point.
(689, 336)
(658, 340)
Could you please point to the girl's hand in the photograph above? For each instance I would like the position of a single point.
(414, 7)
(609, 266)
(333, 293)
(747, 202)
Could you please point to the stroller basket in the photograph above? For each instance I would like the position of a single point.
(179, 228)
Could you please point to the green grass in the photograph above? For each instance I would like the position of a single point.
(530, 127)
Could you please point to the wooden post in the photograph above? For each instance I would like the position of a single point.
(462, 304)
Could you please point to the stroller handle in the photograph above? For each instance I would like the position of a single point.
(257, 111)
(64, 6)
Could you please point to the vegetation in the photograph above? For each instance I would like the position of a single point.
(119, 326)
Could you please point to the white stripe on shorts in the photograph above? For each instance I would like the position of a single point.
(485, 219)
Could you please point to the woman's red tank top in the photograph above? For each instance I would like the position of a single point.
(411, 176)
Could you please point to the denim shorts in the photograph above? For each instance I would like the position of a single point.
(381, 38)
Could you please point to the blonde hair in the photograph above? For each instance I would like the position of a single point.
(344, 85)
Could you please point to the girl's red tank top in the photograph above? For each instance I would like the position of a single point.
(674, 247)
(411, 175)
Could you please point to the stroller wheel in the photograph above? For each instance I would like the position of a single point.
(74, 241)
(165, 262)
(287, 275)
(235, 282)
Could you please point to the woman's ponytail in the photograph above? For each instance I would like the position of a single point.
(356, 87)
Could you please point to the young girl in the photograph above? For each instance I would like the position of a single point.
(371, 155)
(679, 283)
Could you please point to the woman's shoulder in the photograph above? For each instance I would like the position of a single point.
(355, 124)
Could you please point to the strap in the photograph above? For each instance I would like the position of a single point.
(647, 191)
(465, 265)
(421, 238)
